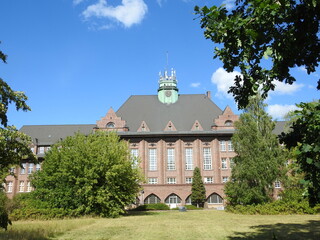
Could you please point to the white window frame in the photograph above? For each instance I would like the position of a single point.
(152, 159)
(189, 158)
(277, 184)
(223, 145)
(230, 146)
(9, 186)
(225, 179)
(189, 180)
(21, 186)
(29, 188)
(171, 180)
(207, 159)
(152, 180)
(208, 180)
(171, 165)
(38, 167)
(224, 164)
(41, 149)
(30, 168)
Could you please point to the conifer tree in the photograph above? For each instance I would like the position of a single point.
(198, 195)
(260, 159)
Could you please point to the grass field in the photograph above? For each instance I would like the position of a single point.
(190, 225)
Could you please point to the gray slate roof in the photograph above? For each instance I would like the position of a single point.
(50, 134)
(183, 113)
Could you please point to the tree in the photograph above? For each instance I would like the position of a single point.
(198, 191)
(305, 139)
(14, 145)
(287, 31)
(260, 158)
(91, 174)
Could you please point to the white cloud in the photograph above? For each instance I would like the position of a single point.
(284, 88)
(130, 12)
(195, 85)
(223, 80)
(278, 111)
(76, 2)
(229, 4)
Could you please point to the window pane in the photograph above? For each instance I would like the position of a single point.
(207, 159)
(189, 158)
(170, 159)
(152, 159)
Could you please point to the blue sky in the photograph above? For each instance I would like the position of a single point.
(75, 59)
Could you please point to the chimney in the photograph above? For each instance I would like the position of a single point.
(209, 94)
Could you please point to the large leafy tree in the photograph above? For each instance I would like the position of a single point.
(304, 138)
(198, 191)
(260, 159)
(91, 174)
(285, 31)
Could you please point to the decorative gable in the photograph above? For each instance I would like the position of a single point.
(226, 120)
(111, 122)
(170, 127)
(196, 126)
(143, 127)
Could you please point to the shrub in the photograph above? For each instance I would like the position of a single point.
(4, 218)
(154, 206)
(192, 207)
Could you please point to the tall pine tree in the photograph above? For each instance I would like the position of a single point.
(260, 158)
(198, 191)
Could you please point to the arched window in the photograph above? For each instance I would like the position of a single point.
(173, 199)
(214, 199)
(110, 125)
(228, 123)
(152, 198)
(188, 200)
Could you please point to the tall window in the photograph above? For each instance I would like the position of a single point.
(171, 180)
(134, 156)
(38, 167)
(170, 159)
(223, 146)
(41, 150)
(207, 159)
(152, 180)
(9, 186)
(29, 186)
(215, 199)
(224, 163)
(152, 159)
(172, 199)
(23, 169)
(231, 162)
(152, 199)
(21, 186)
(225, 179)
(30, 168)
(230, 147)
(189, 158)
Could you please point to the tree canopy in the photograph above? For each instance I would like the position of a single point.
(92, 174)
(304, 138)
(260, 158)
(198, 191)
(285, 31)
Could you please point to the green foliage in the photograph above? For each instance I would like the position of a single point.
(28, 213)
(275, 208)
(198, 191)
(285, 31)
(4, 218)
(192, 207)
(260, 159)
(89, 174)
(304, 138)
(153, 206)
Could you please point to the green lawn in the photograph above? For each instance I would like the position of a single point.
(191, 225)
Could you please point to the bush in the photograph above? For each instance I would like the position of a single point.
(276, 207)
(154, 206)
(192, 207)
(4, 218)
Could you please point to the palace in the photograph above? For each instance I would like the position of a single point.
(171, 133)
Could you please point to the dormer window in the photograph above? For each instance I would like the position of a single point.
(228, 123)
(110, 125)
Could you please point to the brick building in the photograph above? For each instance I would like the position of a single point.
(171, 133)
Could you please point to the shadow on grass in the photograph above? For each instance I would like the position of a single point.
(24, 235)
(141, 213)
(290, 231)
